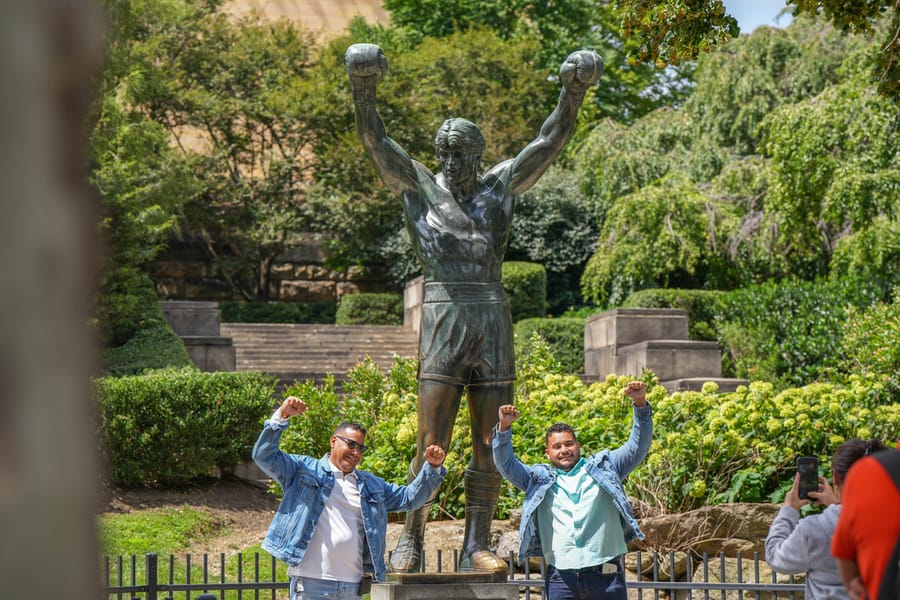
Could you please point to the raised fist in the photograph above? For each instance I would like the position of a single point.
(581, 70)
(508, 414)
(366, 64)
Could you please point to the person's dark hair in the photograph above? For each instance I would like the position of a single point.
(851, 451)
(351, 425)
(461, 132)
(558, 428)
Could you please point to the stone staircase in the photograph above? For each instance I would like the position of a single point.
(298, 352)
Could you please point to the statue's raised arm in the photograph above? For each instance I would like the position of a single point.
(578, 72)
(366, 65)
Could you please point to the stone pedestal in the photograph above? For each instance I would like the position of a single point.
(197, 324)
(446, 586)
(627, 341)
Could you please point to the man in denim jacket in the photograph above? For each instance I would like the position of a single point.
(576, 513)
(332, 522)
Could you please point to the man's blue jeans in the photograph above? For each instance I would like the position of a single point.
(306, 588)
(585, 584)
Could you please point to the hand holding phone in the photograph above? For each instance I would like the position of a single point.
(808, 468)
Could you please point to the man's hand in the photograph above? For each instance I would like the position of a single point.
(292, 406)
(435, 455)
(508, 415)
(637, 391)
(581, 70)
(366, 65)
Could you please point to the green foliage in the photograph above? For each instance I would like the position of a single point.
(869, 343)
(671, 32)
(564, 335)
(663, 235)
(741, 446)
(561, 27)
(126, 304)
(872, 254)
(789, 333)
(739, 85)
(170, 426)
(708, 448)
(526, 288)
(278, 312)
(553, 227)
(700, 306)
(370, 309)
(834, 165)
(155, 346)
(862, 16)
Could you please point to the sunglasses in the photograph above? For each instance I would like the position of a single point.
(352, 444)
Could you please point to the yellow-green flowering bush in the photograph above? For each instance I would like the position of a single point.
(708, 448)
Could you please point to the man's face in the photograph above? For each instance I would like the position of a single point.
(342, 455)
(458, 164)
(563, 450)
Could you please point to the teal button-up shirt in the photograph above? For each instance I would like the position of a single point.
(578, 522)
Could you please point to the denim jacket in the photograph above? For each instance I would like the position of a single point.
(608, 468)
(307, 484)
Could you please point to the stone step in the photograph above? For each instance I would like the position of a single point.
(668, 359)
(695, 384)
(300, 352)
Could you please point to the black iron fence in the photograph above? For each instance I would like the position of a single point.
(650, 576)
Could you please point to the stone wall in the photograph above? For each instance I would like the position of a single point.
(185, 272)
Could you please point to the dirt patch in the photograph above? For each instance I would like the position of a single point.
(244, 509)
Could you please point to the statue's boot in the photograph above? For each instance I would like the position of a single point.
(482, 492)
(407, 557)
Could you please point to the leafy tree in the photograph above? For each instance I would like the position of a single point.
(834, 168)
(741, 83)
(671, 31)
(663, 235)
(553, 227)
(561, 26)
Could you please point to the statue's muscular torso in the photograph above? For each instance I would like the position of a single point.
(460, 241)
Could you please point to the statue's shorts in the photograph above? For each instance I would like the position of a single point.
(466, 335)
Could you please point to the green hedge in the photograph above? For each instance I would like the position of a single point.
(278, 312)
(564, 335)
(154, 347)
(789, 332)
(170, 426)
(526, 287)
(370, 309)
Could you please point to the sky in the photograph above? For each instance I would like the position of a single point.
(751, 13)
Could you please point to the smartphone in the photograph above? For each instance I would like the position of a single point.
(808, 467)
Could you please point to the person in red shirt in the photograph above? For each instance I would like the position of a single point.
(868, 528)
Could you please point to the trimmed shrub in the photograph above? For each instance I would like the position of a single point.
(869, 343)
(170, 426)
(278, 312)
(789, 333)
(526, 286)
(154, 347)
(565, 336)
(370, 309)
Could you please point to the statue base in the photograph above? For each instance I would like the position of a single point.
(468, 585)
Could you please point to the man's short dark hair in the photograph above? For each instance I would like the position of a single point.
(351, 425)
(559, 428)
